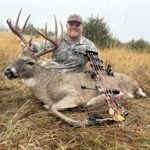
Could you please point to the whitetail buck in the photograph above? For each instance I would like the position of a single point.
(59, 90)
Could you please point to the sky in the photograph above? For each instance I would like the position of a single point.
(127, 19)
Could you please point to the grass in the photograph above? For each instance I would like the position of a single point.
(25, 125)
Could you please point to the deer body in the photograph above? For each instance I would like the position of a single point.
(59, 90)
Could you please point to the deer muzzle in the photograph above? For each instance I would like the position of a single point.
(10, 73)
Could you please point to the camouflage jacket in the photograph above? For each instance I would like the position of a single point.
(71, 55)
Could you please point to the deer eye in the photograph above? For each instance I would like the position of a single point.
(30, 63)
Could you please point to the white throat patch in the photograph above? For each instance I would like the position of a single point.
(29, 82)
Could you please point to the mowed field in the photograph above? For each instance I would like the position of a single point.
(25, 125)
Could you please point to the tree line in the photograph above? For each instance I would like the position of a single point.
(97, 30)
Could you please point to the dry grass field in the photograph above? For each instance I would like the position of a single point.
(25, 125)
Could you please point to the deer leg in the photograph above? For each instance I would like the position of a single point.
(101, 98)
(67, 102)
(68, 120)
(87, 122)
(95, 100)
(140, 93)
(70, 102)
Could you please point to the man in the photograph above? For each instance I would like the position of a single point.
(72, 52)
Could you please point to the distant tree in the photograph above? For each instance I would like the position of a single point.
(138, 45)
(3, 28)
(30, 29)
(97, 31)
(116, 43)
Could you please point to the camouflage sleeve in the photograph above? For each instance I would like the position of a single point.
(38, 46)
(91, 47)
(86, 46)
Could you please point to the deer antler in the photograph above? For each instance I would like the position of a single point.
(56, 42)
(14, 29)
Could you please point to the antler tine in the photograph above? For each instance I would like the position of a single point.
(30, 42)
(46, 29)
(17, 20)
(25, 23)
(14, 29)
(46, 33)
(45, 37)
(46, 50)
(54, 41)
(56, 30)
(61, 35)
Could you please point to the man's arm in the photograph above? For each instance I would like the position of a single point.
(95, 62)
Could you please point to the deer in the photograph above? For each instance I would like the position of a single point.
(59, 91)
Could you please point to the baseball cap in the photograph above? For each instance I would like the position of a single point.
(74, 17)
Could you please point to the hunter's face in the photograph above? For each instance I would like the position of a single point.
(74, 29)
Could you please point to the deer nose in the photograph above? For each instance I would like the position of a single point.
(8, 72)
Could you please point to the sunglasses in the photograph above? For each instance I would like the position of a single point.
(76, 24)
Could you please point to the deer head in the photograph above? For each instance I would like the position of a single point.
(27, 59)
